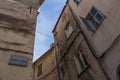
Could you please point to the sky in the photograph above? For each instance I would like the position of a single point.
(46, 20)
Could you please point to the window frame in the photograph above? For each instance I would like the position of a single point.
(39, 70)
(97, 12)
(61, 73)
(77, 2)
(68, 30)
(91, 22)
(118, 72)
(78, 60)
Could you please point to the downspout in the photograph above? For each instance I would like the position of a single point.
(88, 44)
(57, 64)
(33, 73)
(67, 69)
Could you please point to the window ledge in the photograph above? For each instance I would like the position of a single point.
(69, 36)
(83, 71)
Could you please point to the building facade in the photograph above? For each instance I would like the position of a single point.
(17, 32)
(45, 67)
(87, 41)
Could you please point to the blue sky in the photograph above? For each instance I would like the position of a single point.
(49, 13)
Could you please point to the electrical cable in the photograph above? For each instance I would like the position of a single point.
(44, 34)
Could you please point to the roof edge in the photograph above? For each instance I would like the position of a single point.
(60, 16)
(47, 52)
(41, 1)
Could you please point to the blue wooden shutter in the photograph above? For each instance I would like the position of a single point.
(86, 24)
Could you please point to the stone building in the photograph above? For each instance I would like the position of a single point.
(17, 32)
(45, 67)
(87, 40)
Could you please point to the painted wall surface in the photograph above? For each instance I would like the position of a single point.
(106, 39)
(67, 48)
(49, 70)
(17, 31)
(109, 29)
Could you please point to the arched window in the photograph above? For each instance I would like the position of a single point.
(118, 72)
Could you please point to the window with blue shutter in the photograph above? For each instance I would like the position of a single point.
(18, 60)
(77, 1)
(80, 62)
(97, 14)
(93, 11)
(61, 73)
(39, 70)
(86, 24)
(93, 20)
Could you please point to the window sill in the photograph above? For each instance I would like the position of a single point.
(68, 37)
(83, 71)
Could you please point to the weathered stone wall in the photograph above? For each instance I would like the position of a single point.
(69, 47)
(106, 39)
(109, 29)
(17, 32)
(49, 69)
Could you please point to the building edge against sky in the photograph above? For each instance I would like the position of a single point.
(87, 41)
(17, 32)
(44, 68)
(45, 24)
(99, 31)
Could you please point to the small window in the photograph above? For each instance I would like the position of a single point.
(93, 20)
(61, 73)
(68, 30)
(39, 70)
(96, 14)
(80, 62)
(18, 60)
(118, 73)
(93, 11)
(77, 1)
(57, 45)
(96, 17)
(87, 24)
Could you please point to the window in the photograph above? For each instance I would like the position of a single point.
(39, 70)
(68, 30)
(61, 73)
(80, 62)
(18, 60)
(93, 20)
(57, 48)
(97, 15)
(77, 1)
(118, 73)
(57, 45)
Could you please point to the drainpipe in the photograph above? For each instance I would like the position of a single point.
(67, 69)
(57, 64)
(33, 73)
